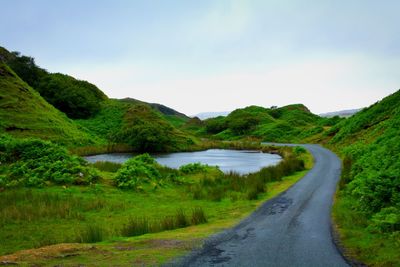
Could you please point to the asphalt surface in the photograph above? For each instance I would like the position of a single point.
(293, 229)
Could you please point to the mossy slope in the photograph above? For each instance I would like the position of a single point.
(24, 113)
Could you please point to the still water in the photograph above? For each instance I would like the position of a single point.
(241, 161)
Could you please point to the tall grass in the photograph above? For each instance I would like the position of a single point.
(249, 186)
(141, 225)
(31, 205)
(198, 216)
(92, 233)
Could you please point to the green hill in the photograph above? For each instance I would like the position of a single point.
(76, 98)
(176, 118)
(98, 121)
(133, 122)
(24, 113)
(293, 123)
(368, 206)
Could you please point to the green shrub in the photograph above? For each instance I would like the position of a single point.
(34, 162)
(25, 67)
(387, 220)
(137, 172)
(78, 99)
(298, 150)
(193, 168)
(146, 131)
(216, 125)
(241, 121)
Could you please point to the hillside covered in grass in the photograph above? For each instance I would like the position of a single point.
(24, 113)
(60, 108)
(293, 123)
(368, 207)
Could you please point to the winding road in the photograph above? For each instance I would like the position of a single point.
(292, 229)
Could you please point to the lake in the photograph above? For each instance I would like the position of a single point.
(241, 161)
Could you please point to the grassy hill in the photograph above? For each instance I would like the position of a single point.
(24, 113)
(293, 123)
(176, 118)
(76, 98)
(368, 206)
(97, 120)
(136, 123)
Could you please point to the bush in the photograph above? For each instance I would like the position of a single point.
(33, 162)
(193, 168)
(26, 68)
(216, 125)
(146, 131)
(387, 220)
(137, 172)
(78, 99)
(298, 150)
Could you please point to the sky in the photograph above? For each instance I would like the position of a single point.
(216, 55)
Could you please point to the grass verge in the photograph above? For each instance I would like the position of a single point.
(118, 208)
(360, 243)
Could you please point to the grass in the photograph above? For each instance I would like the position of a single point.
(108, 210)
(367, 206)
(24, 113)
(27, 205)
(235, 186)
(372, 248)
(93, 233)
(141, 225)
(285, 124)
(107, 166)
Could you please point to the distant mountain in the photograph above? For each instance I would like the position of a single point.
(342, 113)
(208, 115)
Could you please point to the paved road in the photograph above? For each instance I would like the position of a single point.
(292, 229)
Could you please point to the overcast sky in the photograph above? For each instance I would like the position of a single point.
(214, 55)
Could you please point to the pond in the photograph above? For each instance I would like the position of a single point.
(241, 161)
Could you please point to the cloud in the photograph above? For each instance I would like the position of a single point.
(321, 83)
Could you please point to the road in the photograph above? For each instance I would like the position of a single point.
(293, 229)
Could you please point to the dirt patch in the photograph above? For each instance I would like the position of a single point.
(53, 251)
(156, 243)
